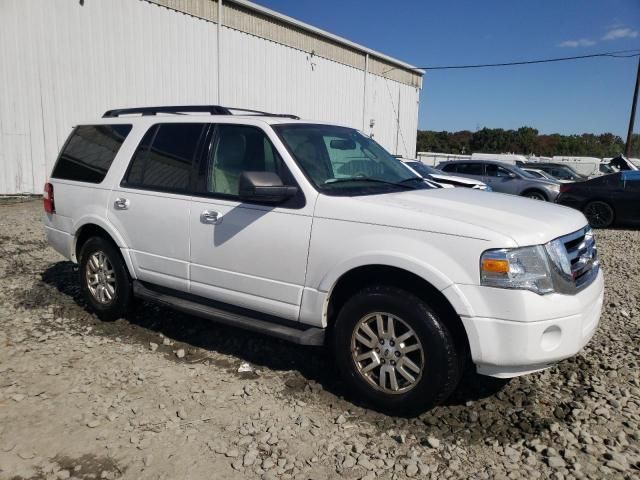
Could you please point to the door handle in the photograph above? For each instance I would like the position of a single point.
(121, 204)
(210, 217)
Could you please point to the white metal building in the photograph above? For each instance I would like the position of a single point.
(66, 61)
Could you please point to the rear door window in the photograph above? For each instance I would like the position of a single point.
(450, 167)
(471, 168)
(89, 152)
(164, 159)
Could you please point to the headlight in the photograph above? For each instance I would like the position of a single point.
(525, 268)
(554, 187)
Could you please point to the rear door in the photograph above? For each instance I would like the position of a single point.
(247, 254)
(151, 205)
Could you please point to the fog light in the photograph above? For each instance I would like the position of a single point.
(551, 338)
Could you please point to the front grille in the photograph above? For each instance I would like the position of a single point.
(582, 255)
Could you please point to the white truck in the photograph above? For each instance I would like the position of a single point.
(313, 233)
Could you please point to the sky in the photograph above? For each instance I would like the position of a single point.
(583, 96)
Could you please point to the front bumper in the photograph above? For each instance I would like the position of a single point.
(529, 332)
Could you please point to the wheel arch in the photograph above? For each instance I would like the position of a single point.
(357, 278)
(95, 227)
(536, 190)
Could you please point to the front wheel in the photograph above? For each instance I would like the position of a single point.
(535, 195)
(394, 351)
(104, 279)
(599, 214)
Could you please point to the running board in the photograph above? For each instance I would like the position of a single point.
(308, 336)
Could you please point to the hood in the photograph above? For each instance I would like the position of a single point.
(453, 178)
(507, 220)
(542, 181)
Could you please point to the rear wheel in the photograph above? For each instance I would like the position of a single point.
(600, 214)
(535, 195)
(394, 351)
(104, 278)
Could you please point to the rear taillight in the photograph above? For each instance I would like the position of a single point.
(47, 199)
(565, 187)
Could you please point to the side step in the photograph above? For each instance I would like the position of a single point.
(308, 336)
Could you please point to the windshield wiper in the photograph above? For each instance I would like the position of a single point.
(401, 184)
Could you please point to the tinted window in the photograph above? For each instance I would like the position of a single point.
(561, 173)
(89, 152)
(449, 167)
(165, 156)
(239, 148)
(472, 168)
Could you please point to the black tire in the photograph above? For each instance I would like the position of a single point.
(600, 214)
(535, 195)
(120, 301)
(442, 362)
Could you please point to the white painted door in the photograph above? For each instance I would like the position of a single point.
(254, 256)
(151, 205)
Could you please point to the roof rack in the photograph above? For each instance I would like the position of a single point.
(186, 109)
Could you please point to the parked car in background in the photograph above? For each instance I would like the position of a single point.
(510, 158)
(607, 199)
(541, 174)
(621, 163)
(444, 179)
(559, 172)
(586, 166)
(313, 233)
(504, 178)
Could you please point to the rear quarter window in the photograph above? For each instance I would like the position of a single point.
(89, 152)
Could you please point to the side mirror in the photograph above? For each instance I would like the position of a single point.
(512, 175)
(264, 187)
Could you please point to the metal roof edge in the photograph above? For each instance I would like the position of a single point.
(323, 33)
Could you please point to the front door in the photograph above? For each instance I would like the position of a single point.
(625, 196)
(500, 179)
(246, 254)
(150, 207)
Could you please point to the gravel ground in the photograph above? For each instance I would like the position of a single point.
(164, 395)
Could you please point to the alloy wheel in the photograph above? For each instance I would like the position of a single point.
(387, 353)
(536, 196)
(101, 279)
(599, 214)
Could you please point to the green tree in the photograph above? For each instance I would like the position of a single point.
(525, 140)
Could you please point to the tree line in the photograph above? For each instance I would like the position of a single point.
(525, 140)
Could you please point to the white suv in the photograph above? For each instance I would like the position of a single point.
(313, 233)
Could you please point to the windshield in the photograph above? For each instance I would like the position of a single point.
(535, 174)
(342, 161)
(565, 173)
(522, 172)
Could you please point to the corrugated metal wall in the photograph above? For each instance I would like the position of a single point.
(62, 62)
